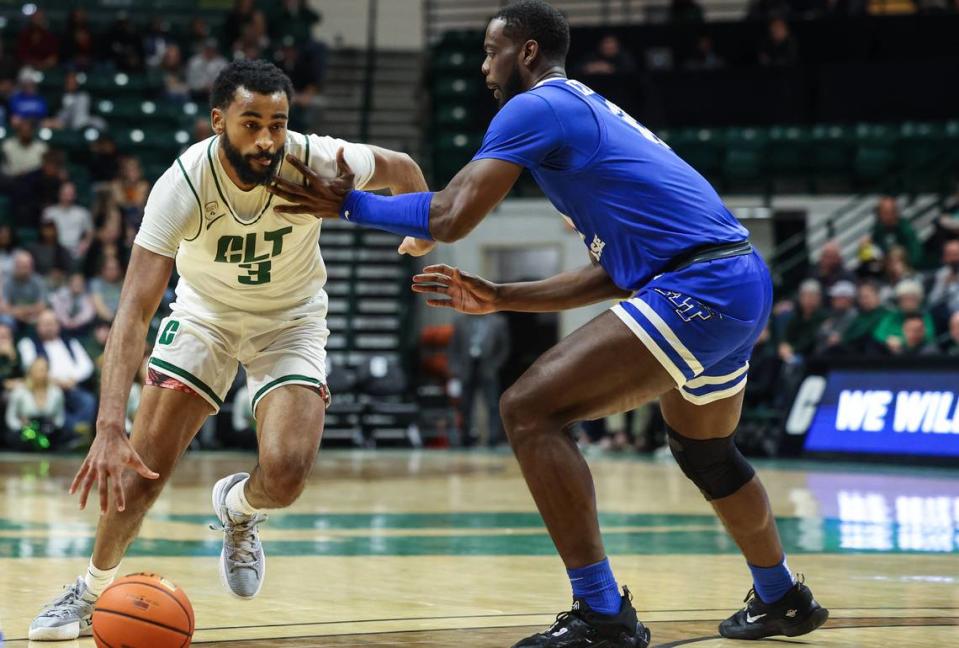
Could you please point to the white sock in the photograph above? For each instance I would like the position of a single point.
(98, 580)
(236, 501)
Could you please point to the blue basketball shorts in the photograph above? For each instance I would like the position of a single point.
(702, 321)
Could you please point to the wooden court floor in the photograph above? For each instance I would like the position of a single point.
(446, 549)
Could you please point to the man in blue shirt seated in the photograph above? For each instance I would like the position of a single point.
(695, 298)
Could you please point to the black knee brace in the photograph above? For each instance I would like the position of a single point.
(714, 465)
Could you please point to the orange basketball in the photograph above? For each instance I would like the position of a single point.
(143, 611)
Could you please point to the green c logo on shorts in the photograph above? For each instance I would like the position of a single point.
(169, 332)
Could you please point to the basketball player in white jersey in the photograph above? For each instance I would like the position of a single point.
(251, 293)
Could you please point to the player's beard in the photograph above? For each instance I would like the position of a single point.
(512, 87)
(243, 164)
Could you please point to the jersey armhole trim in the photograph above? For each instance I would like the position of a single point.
(199, 206)
(307, 140)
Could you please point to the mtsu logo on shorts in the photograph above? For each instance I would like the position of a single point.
(687, 308)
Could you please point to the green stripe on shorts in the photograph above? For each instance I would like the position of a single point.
(279, 381)
(183, 373)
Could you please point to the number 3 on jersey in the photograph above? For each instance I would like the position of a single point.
(241, 250)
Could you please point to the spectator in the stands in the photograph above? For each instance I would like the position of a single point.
(196, 35)
(704, 57)
(765, 365)
(157, 41)
(105, 289)
(302, 67)
(830, 267)
(945, 289)
(125, 45)
(238, 18)
(909, 296)
(860, 336)
(895, 268)
(48, 255)
(915, 341)
(25, 291)
(23, 153)
(74, 112)
(8, 246)
(26, 102)
(891, 230)
(842, 313)
(11, 370)
(104, 161)
(34, 191)
(254, 38)
(36, 44)
(73, 306)
(130, 191)
(73, 221)
(779, 48)
(174, 80)
(79, 48)
(799, 338)
(70, 367)
(107, 244)
(686, 11)
(37, 403)
(952, 344)
(293, 18)
(608, 58)
(203, 68)
(9, 68)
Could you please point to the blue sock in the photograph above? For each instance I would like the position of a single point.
(596, 585)
(772, 583)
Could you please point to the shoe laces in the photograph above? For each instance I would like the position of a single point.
(66, 603)
(751, 594)
(242, 539)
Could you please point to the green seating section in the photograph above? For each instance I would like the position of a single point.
(909, 157)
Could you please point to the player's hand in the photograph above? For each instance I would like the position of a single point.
(416, 247)
(109, 456)
(321, 197)
(448, 287)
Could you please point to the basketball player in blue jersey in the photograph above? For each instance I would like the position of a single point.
(695, 297)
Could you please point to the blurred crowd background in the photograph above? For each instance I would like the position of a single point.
(96, 102)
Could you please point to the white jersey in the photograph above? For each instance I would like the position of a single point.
(233, 252)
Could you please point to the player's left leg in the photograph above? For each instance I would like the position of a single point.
(289, 429)
(286, 376)
(701, 438)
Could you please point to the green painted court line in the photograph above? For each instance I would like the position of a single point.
(800, 535)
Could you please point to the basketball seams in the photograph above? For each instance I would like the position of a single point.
(150, 621)
(100, 640)
(166, 591)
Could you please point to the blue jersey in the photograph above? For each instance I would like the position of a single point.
(634, 201)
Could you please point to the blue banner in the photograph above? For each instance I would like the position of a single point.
(883, 411)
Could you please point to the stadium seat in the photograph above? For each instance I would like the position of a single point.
(744, 156)
(921, 155)
(702, 148)
(832, 152)
(788, 152)
(875, 156)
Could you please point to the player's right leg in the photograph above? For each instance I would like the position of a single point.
(166, 423)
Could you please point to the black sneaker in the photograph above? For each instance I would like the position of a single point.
(581, 627)
(796, 613)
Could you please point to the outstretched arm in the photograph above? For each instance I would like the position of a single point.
(446, 216)
(449, 287)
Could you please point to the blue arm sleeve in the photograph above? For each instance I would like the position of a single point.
(405, 214)
(526, 131)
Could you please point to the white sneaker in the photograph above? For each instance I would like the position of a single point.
(69, 616)
(242, 561)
